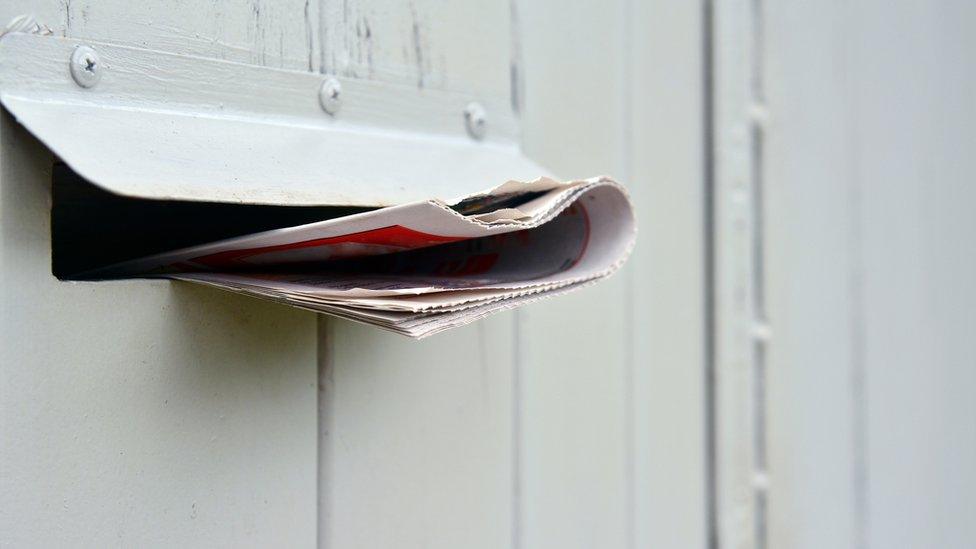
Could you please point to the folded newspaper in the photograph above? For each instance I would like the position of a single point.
(425, 267)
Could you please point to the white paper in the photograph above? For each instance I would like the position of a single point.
(424, 267)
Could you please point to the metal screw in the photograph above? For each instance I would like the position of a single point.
(330, 95)
(474, 119)
(86, 67)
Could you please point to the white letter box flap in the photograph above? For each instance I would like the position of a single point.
(165, 126)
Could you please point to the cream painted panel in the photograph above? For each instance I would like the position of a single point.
(738, 373)
(574, 361)
(460, 46)
(666, 304)
(274, 33)
(442, 44)
(50, 13)
(915, 115)
(873, 266)
(143, 413)
(416, 437)
(810, 191)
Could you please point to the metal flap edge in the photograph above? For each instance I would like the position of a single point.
(165, 126)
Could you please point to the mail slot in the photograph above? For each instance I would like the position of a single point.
(207, 178)
(418, 268)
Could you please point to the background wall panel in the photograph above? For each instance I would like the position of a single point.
(613, 432)
(872, 267)
(576, 423)
(811, 191)
(143, 413)
(915, 143)
(666, 276)
(417, 446)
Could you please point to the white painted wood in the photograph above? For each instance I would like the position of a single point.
(915, 169)
(425, 43)
(50, 14)
(496, 434)
(440, 44)
(573, 356)
(811, 191)
(143, 413)
(739, 446)
(418, 437)
(871, 271)
(665, 275)
(272, 33)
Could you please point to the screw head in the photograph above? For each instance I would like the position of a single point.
(474, 119)
(86, 67)
(330, 95)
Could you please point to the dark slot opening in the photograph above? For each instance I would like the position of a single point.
(91, 227)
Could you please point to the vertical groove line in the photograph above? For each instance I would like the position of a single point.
(516, 517)
(708, 261)
(858, 378)
(516, 86)
(859, 407)
(758, 280)
(627, 171)
(326, 424)
(323, 37)
(858, 382)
